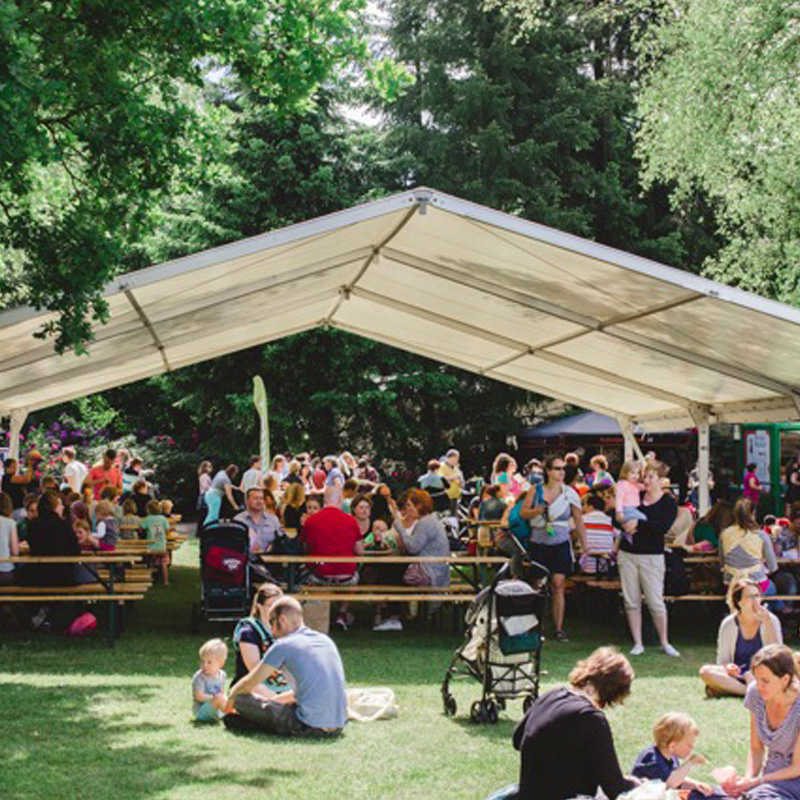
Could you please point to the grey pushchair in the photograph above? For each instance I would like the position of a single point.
(503, 642)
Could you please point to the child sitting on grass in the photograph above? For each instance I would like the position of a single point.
(674, 734)
(129, 526)
(208, 694)
(156, 526)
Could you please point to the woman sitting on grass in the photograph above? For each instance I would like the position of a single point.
(565, 739)
(741, 635)
(252, 637)
(773, 700)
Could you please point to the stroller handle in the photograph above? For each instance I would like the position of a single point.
(522, 564)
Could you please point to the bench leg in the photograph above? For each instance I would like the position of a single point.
(112, 623)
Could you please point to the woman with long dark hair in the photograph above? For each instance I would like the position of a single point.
(773, 700)
(549, 508)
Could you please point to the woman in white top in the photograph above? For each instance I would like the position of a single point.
(9, 543)
(748, 628)
(553, 510)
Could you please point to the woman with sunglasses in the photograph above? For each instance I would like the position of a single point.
(748, 628)
(550, 507)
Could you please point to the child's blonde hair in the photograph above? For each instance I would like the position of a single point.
(628, 468)
(166, 507)
(104, 509)
(672, 727)
(214, 648)
(81, 525)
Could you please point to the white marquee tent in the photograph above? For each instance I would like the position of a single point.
(455, 281)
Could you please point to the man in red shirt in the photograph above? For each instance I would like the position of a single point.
(105, 474)
(331, 532)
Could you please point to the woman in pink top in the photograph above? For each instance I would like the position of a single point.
(752, 486)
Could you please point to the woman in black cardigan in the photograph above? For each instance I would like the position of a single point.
(641, 560)
(565, 739)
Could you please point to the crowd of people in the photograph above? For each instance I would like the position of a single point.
(75, 510)
(337, 505)
(334, 506)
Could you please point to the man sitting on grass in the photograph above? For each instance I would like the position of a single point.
(315, 667)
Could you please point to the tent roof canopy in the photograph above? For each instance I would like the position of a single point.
(454, 281)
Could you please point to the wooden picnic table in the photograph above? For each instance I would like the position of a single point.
(113, 560)
(456, 561)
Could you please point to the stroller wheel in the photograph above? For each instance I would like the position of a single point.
(527, 703)
(450, 706)
(490, 711)
(477, 713)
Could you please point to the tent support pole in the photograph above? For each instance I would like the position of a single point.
(700, 415)
(18, 418)
(632, 448)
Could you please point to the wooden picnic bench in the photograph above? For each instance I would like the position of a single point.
(116, 584)
(456, 593)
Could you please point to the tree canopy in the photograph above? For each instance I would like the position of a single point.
(721, 109)
(99, 108)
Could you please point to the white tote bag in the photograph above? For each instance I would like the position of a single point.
(368, 705)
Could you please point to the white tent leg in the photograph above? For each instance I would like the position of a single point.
(701, 419)
(632, 449)
(18, 418)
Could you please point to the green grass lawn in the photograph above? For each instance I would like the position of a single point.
(82, 720)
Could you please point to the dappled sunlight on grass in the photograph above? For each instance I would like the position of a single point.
(84, 720)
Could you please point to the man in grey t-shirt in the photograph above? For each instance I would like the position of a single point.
(313, 667)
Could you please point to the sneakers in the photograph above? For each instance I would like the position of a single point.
(39, 618)
(561, 636)
(669, 650)
(341, 622)
(637, 650)
(392, 624)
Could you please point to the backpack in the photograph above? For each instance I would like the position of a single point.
(266, 637)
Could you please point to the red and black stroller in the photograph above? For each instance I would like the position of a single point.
(225, 580)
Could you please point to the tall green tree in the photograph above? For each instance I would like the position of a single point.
(536, 120)
(98, 104)
(721, 111)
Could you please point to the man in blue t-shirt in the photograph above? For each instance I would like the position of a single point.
(313, 666)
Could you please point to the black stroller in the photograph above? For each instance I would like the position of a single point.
(503, 642)
(225, 580)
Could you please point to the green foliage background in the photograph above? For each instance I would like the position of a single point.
(141, 132)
